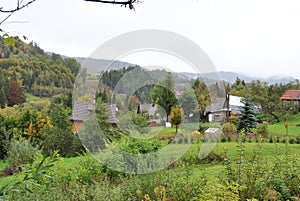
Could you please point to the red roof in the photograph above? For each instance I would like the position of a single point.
(291, 95)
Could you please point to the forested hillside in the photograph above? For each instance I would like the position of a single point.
(26, 68)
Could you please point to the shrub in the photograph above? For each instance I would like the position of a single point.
(229, 129)
(259, 180)
(186, 140)
(89, 169)
(262, 129)
(20, 152)
(163, 185)
(271, 139)
(140, 120)
(234, 119)
(291, 140)
(180, 141)
(63, 140)
(32, 178)
(4, 140)
(277, 139)
(223, 139)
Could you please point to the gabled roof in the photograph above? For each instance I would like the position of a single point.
(291, 95)
(220, 104)
(81, 111)
(217, 105)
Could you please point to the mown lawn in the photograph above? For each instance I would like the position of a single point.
(279, 129)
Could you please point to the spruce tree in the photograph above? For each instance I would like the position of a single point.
(247, 120)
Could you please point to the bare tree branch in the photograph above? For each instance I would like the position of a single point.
(128, 3)
(5, 18)
(19, 7)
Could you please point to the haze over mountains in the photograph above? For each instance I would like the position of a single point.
(231, 77)
(98, 65)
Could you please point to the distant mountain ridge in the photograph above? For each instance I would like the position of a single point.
(98, 65)
(231, 77)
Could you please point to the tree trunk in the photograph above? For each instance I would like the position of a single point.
(275, 116)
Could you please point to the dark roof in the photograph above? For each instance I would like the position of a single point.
(219, 104)
(291, 95)
(146, 107)
(82, 109)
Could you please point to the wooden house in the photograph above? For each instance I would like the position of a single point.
(81, 110)
(291, 98)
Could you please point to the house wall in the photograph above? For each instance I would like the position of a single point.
(216, 116)
(77, 125)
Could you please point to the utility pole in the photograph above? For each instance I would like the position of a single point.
(227, 106)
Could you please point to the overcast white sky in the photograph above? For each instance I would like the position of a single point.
(256, 37)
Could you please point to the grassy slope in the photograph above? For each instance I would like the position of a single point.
(30, 97)
(279, 128)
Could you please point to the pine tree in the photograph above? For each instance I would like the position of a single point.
(247, 119)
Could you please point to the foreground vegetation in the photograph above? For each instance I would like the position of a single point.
(234, 171)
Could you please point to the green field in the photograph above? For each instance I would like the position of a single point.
(278, 129)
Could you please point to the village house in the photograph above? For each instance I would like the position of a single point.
(291, 98)
(223, 107)
(81, 110)
(148, 108)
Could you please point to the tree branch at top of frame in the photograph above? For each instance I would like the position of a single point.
(128, 3)
(18, 7)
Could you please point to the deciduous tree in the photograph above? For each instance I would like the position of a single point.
(2, 98)
(16, 94)
(163, 94)
(203, 97)
(176, 116)
(188, 101)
